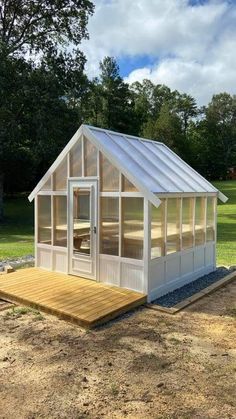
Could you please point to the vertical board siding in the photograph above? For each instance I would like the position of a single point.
(132, 277)
(60, 261)
(109, 271)
(44, 258)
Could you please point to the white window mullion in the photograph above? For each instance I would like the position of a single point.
(194, 206)
(83, 156)
(52, 221)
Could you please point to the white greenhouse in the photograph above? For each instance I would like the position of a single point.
(125, 211)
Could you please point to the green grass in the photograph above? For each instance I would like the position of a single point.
(226, 224)
(17, 232)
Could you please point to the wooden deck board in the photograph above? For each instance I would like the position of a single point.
(82, 301)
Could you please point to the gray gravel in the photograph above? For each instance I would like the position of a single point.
(27, 260)
(178, 295)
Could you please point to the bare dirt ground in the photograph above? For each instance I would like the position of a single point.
(144, 365)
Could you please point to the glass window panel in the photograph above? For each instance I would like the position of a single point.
(82, 221)
(173, 225)
(60, 220)
(210, 227)
(132, 228)
(90, 159)
(109, 175)
(47, 185)
(200, 203)
(44, 219)
(187, 223)
(60, 176)
(110, 226)
(76, 159)
(158, 230)
(127, 186)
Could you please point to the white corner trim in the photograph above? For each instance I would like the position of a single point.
(222, 197)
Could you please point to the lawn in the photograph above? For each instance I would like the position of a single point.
(16, 234)
(226, 224)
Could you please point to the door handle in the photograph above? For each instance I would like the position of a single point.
(95, 229)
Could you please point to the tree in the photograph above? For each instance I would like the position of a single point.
(220, 130)
(166, 128)
(112, 99)
(186, 107)
(36, 28)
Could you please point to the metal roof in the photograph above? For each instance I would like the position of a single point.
(150, 165)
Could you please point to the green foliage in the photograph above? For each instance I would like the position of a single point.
(220, 130)
(46, 96)
(166, 128)
(17, 231)
(40, 99)
(38, 25)
(226, 224)
(21, 311)
(110, 101)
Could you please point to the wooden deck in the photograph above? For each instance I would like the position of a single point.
(82, 301)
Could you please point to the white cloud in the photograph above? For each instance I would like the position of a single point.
(194, 47)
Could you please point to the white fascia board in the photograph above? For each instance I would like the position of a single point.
(222, 197)
(148, 194)
(56, 163)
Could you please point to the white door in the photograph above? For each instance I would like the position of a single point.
(83, 228)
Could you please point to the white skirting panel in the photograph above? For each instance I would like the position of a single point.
(173, 271)
(132, 277)
(109, 270)
(44, 258)
(121, 272)
(60, 260)
(52, 258)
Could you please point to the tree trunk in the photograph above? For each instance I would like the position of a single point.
(1, 196)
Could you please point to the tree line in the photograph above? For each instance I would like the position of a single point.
(45, 95)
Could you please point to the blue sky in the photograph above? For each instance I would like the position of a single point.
(188, 45)
(129, 63)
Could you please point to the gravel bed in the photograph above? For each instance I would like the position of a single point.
(178, 295)
(27, 260)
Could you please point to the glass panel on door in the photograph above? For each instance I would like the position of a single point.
(81, 221)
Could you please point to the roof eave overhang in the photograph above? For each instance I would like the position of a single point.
(222, 197)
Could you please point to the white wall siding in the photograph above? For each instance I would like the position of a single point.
(178, 269)
(132, 277)
(210, 255)
(60, 258)
(187, 262)
(44, 258)
(122, 272)
(172, 267)
(199, 258)
(157, 274)
(109, 270)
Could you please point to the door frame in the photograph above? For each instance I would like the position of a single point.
(92, 184)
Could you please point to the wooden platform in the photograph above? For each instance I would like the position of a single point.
(82, 301)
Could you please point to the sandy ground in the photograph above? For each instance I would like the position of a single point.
(144, 365)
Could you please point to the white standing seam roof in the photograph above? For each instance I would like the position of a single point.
(150, 165)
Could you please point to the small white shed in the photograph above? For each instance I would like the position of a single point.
(125, 211)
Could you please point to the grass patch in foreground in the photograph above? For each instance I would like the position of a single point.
(17, 232)
(20, 311)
